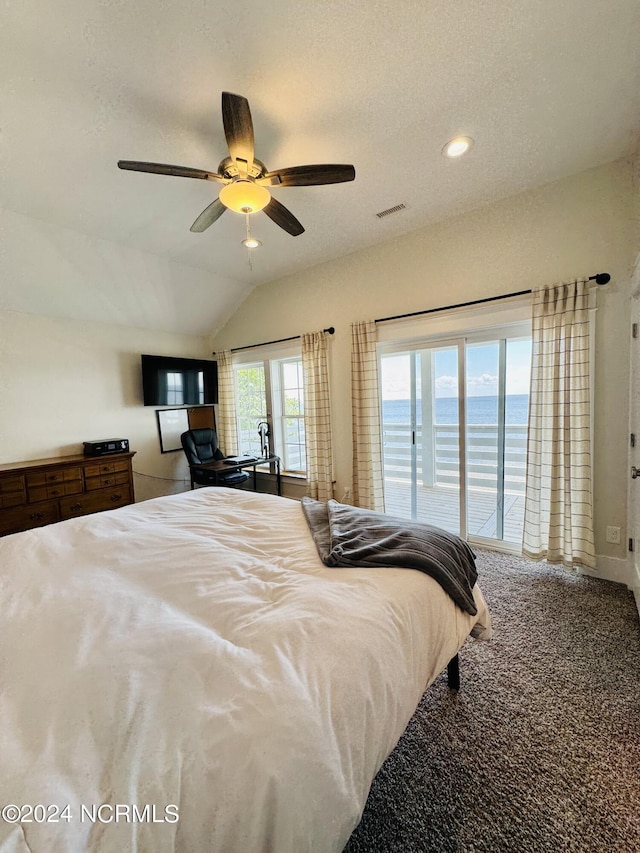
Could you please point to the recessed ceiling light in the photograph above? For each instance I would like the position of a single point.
(251, 243)
(458, 146)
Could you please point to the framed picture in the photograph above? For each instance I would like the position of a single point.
(171, 424)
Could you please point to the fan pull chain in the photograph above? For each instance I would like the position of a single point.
(248, 238)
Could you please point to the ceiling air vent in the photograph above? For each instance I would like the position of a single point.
(396, 209)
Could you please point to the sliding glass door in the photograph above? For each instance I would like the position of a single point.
(452, 459)
(497, 393)
(422, 413)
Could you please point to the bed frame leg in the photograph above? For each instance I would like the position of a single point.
(453, 673)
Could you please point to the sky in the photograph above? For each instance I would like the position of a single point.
(481, 369)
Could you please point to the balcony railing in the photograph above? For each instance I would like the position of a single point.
(495, 490)
(438, 457)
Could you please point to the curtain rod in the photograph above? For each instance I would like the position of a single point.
(600, 278)
(328, 331)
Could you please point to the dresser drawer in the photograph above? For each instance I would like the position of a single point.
(12, 492)
(95, 501)
(60, 475)
(55, 490)
(26, 517)
(9, 485)
(102, 482)
(98, 468)
(15, 499)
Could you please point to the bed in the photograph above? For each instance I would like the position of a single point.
(186, 674)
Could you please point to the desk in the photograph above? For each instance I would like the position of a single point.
(220, 467)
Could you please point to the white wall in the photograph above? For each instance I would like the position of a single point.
(580, 225)
(52, 271)
(66, 380)
(63, 382)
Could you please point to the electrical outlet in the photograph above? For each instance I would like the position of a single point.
(613, 535)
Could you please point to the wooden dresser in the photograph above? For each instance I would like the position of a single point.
(36, 493)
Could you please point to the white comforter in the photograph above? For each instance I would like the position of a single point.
(193, 654)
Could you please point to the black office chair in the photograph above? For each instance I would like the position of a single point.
(201, 445)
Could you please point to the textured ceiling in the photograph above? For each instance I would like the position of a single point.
(546, 89)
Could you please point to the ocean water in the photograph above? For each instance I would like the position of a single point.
(480, 410)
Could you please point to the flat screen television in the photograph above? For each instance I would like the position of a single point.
(170, 381)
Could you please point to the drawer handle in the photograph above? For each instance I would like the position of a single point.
(105, 469)
(36, 516)
(55, 491)
(108, 481)
(75, 507)
(115, 498)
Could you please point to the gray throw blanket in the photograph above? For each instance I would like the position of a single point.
(351, 537)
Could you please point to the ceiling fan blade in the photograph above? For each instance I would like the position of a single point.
(283, 217)
(166, 169)
(208, 216)
(305, 176)
(238, 130)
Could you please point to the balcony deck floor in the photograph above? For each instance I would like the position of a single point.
(439, 505)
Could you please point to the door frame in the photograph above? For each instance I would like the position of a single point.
(633, 485)
(498, 332)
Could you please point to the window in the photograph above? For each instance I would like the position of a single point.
(289, 406)
(251, 405)
(272, 390)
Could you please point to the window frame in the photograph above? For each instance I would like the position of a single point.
(280, 416)
(242, 443)
(271, 360)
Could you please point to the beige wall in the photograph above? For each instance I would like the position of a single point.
(52, 271)
(63, 382)
(580, 225)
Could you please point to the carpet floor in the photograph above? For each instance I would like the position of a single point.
(540, 749)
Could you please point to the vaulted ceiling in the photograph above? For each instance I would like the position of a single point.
(545, 89)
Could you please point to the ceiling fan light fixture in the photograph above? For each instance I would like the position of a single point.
(457, 147)
(244, 196)
(245, 177)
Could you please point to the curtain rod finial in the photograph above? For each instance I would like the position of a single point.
(601, 278)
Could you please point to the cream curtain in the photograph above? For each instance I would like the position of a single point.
(367, 444)
(558, 523)
(317, 416)
(226, 420)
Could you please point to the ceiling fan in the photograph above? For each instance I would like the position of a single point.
(246, 178)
